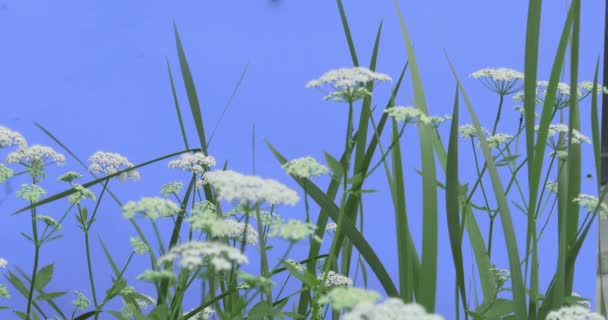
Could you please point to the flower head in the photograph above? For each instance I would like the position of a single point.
(590, 203)
(348, 297)
(151, 207)
(69, 176)
(501, 80)
(171, 188)
(5, 173)
(469, 131)
(390, 309)
(551, 186)
(294, 230)
(9, 137)
(80, 194)
(500, 276)
(35, 154)
(582, 301)
(231, 185)
(81, 301)
(347, 84)
(218, 255)
(573, 313)
(588, 87)
(49, 221)
(497, 139)
(333, 279)
(109, 163)
(331, 226)
(156, 275)
(193, 162)
(30, 192)
(3, 263)
(218, 227)
(577, 137)
(139, 246)
(408, 114)
(305, 167)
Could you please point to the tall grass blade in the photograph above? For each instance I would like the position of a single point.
(177, 109)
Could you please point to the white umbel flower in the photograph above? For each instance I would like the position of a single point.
(231, 185)
(348, 84)
(152, 207)
(3, 263)
(109, 163)
(390, 309)
(220, 256)
(590, 203)
(408, 114)
(336, 280)
(468, 131)
(35, 153)
(588, 87)
(294, 230)
(218, 227)
(193, 162)
(574, 313)
(500, 80)
(305, 167)
(497, 139)
(577, 137)
(9, 137)
(348, 297)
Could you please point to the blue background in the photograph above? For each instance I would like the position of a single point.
(95, 75)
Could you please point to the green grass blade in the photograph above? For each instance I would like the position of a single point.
(351, 231)
(519, 294)
(349, 38)
(177, 109)
(595, 127)
(428, 280)
(452, 201)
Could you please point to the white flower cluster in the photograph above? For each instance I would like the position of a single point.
(563, 89)
(574, 313)
(152, 207)
(80, 194)
(219, 255)
(35, 153)
(590, 203)
(49, 221)
(500, 80)
(218, 227)
(9, 137)
(5, 173)
(193, 162)
(142, 300)
(171, 188)
(109, 163)
(500, 276)
(408, 114)
(231, 185)
(348, 84)
(390, 309)
(81, 302)
(348, 297)
(469, 131)
(305, 167)
(584, 303)
(266, 216)
(331, 227)
(294, 230)
(3, 263)
(551, 186)
(336, 280)
(495, 140)
(30, 192)
(139, 245)
(577, 136)
(588, 86)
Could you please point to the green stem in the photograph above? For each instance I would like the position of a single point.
(36, 256)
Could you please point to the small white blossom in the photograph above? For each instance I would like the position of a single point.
(80, 194)
(81, 301)
(3, 263)
(563, 89)
(305, 167)
(589, 203)
(469, 131)
(501, 80)
(588, 86)
(153, 208)
(331, 226)
(9, 137)
(500, 276)
(231, 185)
(347, 84)
(408, 114)
(34, 154)
(495, 140)
(573, 313)
(193, 162)
(218, 227)
(390, 309)
(69, 176)
(49, 221)
(348, 297)
(109, 163)
(171, 188)
(5, 173)
(156, 275)
(139, 246)
(294, 264)
(336, 279)
(30, 192)
(561, 154)
(577, 137)
(220, 256)
(551, 186)
(584, 303)
(293, 230)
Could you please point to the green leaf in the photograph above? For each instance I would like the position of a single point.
(44, 276)
(50, 295)
(334, 165)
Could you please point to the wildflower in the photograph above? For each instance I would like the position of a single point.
(294, 230)
(582, 301)
(171, 188)
(495, 140)
(577, 137)
(266, 216)
(331, 226)
(305, 167)
(588, 86)
(5, 173)
(219, 255)
(501, 80)
(390, 309)
(231, 185)
(294, 264)
(348, 297)
(563, 89)
(109, 163)
(560, 153)
(204, 314)
(500, 276)
(30, 192)
(193, 162)
(408, 114)
(348, 83)
(139, 246)
(469, 131)
(153, 208)
(3, 263)
(80, 194)
(336, 279)
(69, 176)
(256, 281)
(49, 221)
(551, 186)
(519, 96)
(438, 120)
(9, 137)
(521, 110)
(590, 203)
(81, 302)
(34, 154)
(218, 227)
(142, 301)
(573, 313)
(156, 275)
(4, 291)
